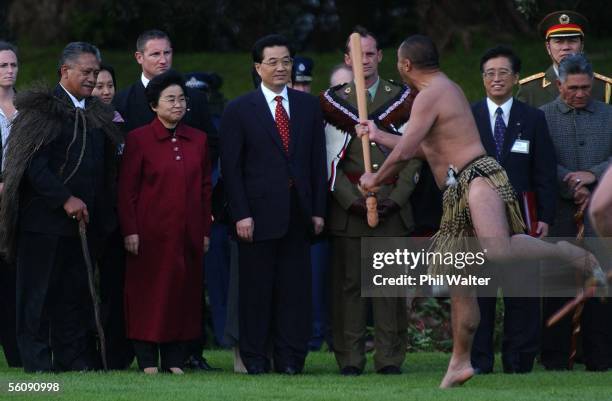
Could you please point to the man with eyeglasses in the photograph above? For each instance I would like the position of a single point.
(581, 131)
(154, 54)
(389, 104)
(517, 136)
(273, 163)
(563, 32)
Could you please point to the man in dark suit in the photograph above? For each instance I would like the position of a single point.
(273, 163)
(58, 162)
(517, 136)
(154, 54)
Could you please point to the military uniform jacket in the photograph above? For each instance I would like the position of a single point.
(390, 108)
(541, 88)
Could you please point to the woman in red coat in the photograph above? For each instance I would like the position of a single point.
(164, 204)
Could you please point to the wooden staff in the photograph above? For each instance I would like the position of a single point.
(362, 107)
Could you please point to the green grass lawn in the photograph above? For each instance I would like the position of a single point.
(234, 68)
(422, 373)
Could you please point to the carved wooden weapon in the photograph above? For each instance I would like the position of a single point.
(362, 107)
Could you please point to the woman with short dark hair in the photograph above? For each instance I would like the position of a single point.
(164, 204)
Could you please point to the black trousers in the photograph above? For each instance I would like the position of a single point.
(148, 354)
(275, 295)
(521, 336)
(521, 333)
(8, 315)
(54, 308)
(119, 350)
(596, 336)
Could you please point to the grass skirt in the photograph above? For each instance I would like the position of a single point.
(456, 228)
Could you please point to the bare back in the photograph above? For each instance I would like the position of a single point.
(453, 137)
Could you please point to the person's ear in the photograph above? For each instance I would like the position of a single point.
(64, 71)
(347, 60)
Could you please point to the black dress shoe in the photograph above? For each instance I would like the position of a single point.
(290, 370)
(389, 370)
(199, 363)
(255, 370)
(350, 371)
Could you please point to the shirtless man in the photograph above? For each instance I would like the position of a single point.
(442, 130)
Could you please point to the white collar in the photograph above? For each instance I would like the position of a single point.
(506, 106)
(270, 95)
(77, 103)
(145, 81)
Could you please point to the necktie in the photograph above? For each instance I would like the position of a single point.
(499, 132)
(282, 122)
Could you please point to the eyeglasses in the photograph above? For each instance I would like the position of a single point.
(172, 100)
(501, 73)
(274, 62)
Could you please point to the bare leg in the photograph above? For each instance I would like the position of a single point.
(465, 317)
(488, 214)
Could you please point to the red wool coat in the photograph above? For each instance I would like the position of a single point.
(165, 197)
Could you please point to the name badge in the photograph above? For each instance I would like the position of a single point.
(520, 146)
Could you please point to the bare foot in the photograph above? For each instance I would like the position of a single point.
(176, 371)
(150, 371)
(456, 377)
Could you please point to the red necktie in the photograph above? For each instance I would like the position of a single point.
(282, 122)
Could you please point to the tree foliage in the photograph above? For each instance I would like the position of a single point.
(317, 25)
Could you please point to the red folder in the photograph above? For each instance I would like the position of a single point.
(529, 212)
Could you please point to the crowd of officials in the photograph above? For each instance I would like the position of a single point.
(170, 193)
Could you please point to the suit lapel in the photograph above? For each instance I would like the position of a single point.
(295, 124)
(262, 111)
(484, 126)
(514, 127)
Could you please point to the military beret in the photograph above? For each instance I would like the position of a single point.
(302, 69)
(562, 24)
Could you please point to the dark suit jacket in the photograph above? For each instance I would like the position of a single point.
(257, 170)
(535, 171)
(132, 104)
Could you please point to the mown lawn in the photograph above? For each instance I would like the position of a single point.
(422, 373)
(234, 68)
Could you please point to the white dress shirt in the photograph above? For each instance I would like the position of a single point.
(144, 80)
(269, 95)
(505, 112)
(77, 103)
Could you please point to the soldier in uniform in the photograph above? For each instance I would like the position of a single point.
(301, 76)
(563, 32)
(389, 104)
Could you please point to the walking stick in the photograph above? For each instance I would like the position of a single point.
(577, 304)
(362, 107)
(576, 327)
(92, 289)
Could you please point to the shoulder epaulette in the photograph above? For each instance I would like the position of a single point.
(339, 86)
(602, 77)
(532, 77)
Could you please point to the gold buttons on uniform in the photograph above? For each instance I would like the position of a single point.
(375, 166)
(178, 157)
(176, 148)
(173, 139)
(373, 143)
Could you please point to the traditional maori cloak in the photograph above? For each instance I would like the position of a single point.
(38, 123)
